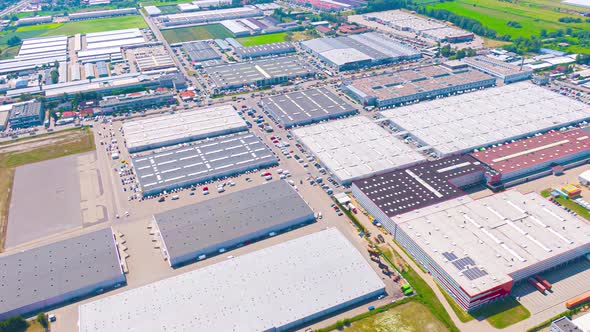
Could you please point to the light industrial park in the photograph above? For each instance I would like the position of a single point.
(296, 165)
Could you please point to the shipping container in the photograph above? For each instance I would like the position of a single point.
(576, 301)
(537, 285)
(543, 282)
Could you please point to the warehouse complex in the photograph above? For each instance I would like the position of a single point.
(35, 52)
(55, 273)
(393, 89)
(169, 129)
(259, 72)
(534, 157)
(356, 147)
(355, 51)
(470, 121)
(265, 50)
(432, 182)
(197, 230)
(478, 250)
(509, 73)
(200, 162)
(305, 107)
(208, 16)
(271, 284)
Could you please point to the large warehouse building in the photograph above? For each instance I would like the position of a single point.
(413, 85)
(195, 231)
(524, 160)
(470, 121)
(208, 16)
(260, 73)
(507, 72)
(355, 148)
(355, 51)
(273, 289)
(201, 161)
(169, 129)
(478, 250)
(305, 107)
(51, 274)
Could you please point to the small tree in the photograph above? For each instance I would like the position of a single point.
(42, 319)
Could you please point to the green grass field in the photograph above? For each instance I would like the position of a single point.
(503, 313)
(263, 39)
(533, 15)
(200, 32)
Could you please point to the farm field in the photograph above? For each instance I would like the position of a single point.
(263, 39)
(533, 15)
(200, 32)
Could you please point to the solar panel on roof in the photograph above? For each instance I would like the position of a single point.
(450, 256)
(461, 263)
(474, 273)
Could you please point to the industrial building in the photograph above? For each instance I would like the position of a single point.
(332, 5)
(265, 50)
(356, 148)
(261, 72)
(273, 289)
(235, 27)
(479, 119)
(407, 86)
(169, 129)
(152, 58)
(509, 73)
(363, 50)
(114, 38)
(152, 10)
(202, 161)
(44, 276)
(101, 14)
(304, 107)
(36, 52)
(530, 158)
(199, 51)
(195, 231)
(428, 183)
(26, 115)
(135, 101)
(209, 16)
(34, 20)
(478, 250)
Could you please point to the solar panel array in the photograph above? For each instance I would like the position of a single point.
(466, 265)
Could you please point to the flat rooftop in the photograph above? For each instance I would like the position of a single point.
(182, 127)
(485, 117)
(492, 64)
(536, 150)
(411, 82)
(483, 243)
(259, 291)
(200, 51)
(266, 49)
(50, 271)
(201, 161)
(195, 227)
(356, 147)
(303, 107)
(418, 186)
(251, 72)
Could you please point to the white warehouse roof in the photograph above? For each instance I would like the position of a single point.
(356, 147)
(485, 117)
(182, 127)
(260, 291)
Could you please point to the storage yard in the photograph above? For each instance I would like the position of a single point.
(200, 162)
(470, 121)
(259, 73)
(355, 148)
(356, 51)
(169, 129)
(387, 90)
(54, 273)
(271, 284)
(204, 229)
(305, 107)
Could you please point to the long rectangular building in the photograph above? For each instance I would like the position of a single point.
(274, 289)
(470, 121)
(265, 50)
(412, 85)
(200, 162)
(194, 231)
(507, 72)
(54, 273)
(169, 129)
(208, 16)
(101, 13)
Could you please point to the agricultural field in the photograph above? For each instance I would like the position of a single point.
(200, 32)
(263, 39)
(169, 9)
(408, 317)
(532, 15)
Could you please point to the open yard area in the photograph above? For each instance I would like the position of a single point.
(408, 317)
(263, 39)
(34, 150)
(200, 32)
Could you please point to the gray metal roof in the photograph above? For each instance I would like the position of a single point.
(202, 161)
(200, 51)
(52, 270)
(25, 110)
(198, 226)
(303, 107)
(266, 49)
